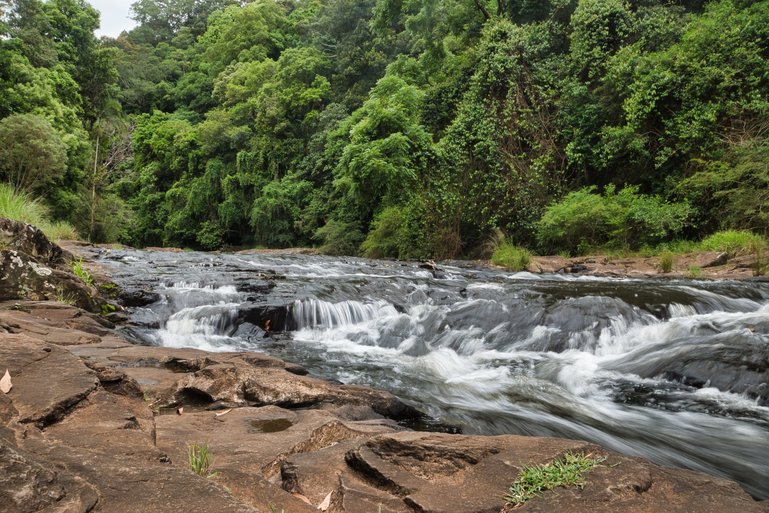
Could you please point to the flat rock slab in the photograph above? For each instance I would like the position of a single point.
(451, 473)
(48, 380)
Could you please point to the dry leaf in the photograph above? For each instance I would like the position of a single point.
(5, 383)
(302, 498)
(323, 506)
(225, 412)
(180, 410)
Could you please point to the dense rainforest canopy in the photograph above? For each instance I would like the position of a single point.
(399, 128)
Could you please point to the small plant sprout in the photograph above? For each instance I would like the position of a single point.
(201, 461)
(566, 471)
(81, 272)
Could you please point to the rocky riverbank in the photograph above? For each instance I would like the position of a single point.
(95, 423)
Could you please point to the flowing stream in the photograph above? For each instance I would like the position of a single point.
(672, 371)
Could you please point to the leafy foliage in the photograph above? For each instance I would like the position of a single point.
(391, 128)
(585, 219)
(511, 256)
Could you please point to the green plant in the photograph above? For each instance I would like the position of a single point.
(566, 471)
(200, 460)
(63, 297)
(511, 256)
(339, 238)
(23, 207)
(81, 272)
(694, 272)
(759, 251)
(107, 308)
(626, 219)
(666, 262)
(733, 242)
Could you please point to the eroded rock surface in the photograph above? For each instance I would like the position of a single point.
(94, 423)
(32, 267)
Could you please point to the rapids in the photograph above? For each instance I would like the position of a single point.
(672, 371)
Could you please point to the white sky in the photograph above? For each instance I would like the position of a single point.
(114, 16)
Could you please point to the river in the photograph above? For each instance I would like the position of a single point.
(672, 371)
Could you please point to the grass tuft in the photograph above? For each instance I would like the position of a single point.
(733, 242)
(200, 460)
(511, 256)
(694, 272)
(22, 207)
(666, 262)
(566, 471)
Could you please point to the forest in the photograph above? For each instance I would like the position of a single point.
(390, 128)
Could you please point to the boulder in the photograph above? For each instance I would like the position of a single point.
(29, 240)
(32, 267)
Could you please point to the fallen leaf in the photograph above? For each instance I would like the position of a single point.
(5, 383)
(302, 498)
(323, 506)
(225, 412)
(180, 410)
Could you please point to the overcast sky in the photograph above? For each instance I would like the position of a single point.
(114, 16)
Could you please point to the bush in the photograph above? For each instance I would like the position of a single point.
(511, 256)
(694, 272)
(339, 238)
(627, 219)
(733, 242)
(397, 232)
(384, 239)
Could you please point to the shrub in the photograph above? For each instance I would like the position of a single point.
(384, 239)
(733, 242)
(694, 272)
(585, 219)
(339, 238)
(511, 256)
(397, 232)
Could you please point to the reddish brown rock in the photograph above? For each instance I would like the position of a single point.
(84, 429)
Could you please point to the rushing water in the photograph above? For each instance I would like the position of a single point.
(673, 371)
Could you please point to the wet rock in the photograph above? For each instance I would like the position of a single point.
(236, 383)
(269, 318)
(137, 297)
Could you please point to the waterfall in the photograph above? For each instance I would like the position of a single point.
(314, 313)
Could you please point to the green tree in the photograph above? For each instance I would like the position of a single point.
(32, 154)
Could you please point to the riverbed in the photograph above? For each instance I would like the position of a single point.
(674, 371)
